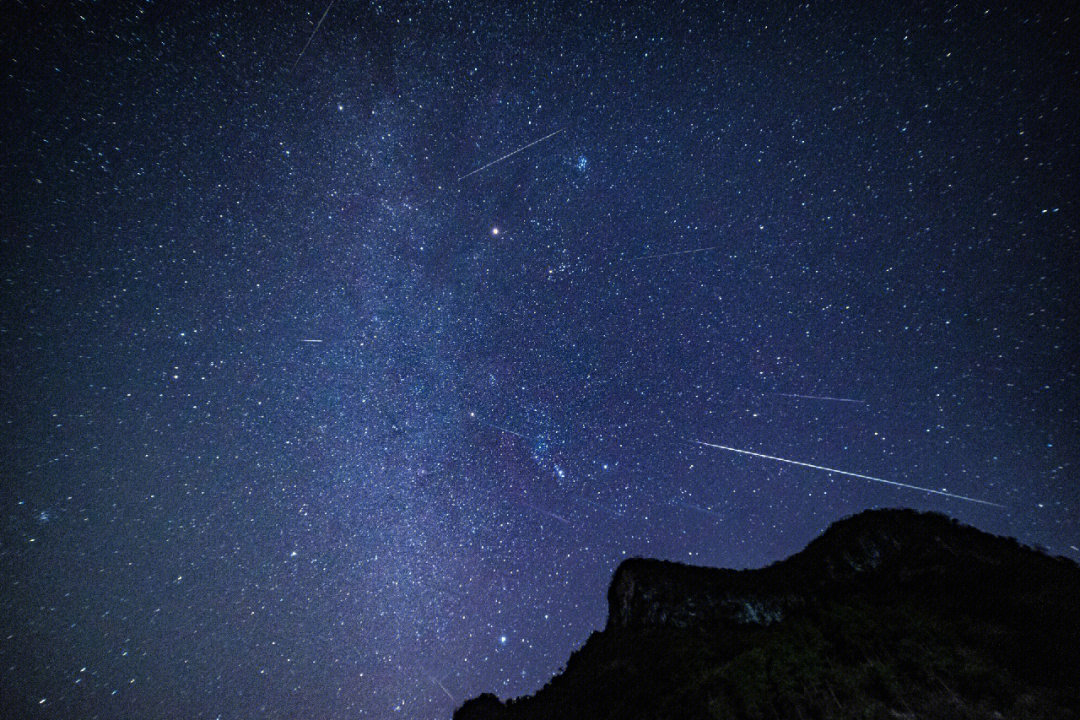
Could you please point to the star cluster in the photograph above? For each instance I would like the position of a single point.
(338, 377)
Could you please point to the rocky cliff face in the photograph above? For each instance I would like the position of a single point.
(888, 613)
(894, 546)
(653, 593)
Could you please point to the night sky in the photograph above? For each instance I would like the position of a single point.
(319, 400)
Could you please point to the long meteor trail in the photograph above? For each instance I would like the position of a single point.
(822, 397)
(313, 33)
(849, 474)
(442, 687)
(669, 254)
(510, 154)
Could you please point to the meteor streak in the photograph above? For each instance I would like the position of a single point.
(505, 430)
(442, 687)
(822, 397)
(849, 474)
(313, 341)
(697, 508)
(510, 154)
(669, 254)
(550, 514)
(313, 33)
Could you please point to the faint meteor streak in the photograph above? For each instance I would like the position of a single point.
(500, 428)
(510, 154)
(669, 254)
(509, 431)
(551, 515)
(696, 508)
(442, 687)
(505, 430)
(822, 397)
(313, 33)
(311, 340)
(849, 474)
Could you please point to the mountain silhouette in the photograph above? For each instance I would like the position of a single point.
(890, 614)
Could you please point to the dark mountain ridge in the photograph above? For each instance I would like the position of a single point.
(889, 613)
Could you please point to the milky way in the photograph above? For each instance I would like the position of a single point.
(307, 416)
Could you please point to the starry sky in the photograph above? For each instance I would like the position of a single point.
(346, 350)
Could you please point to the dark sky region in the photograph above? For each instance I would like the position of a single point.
(321, 401)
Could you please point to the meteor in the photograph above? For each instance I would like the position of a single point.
(692, 506)
(849, 474)
(508, 431)
(510, 154)
(314, 32)
(312, 341)
(500, 428)
(550, 514)
(669, 254)
(822, 397)
(442, 687)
